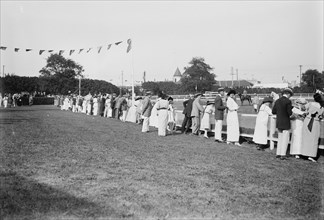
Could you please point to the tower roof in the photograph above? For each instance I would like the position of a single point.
(177, 72)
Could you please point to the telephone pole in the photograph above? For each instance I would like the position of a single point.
(232, 73)
(300, 73)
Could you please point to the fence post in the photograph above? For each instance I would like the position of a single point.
(272, 131)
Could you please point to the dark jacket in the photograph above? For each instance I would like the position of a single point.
(219, 108)
(283, 109)
(187, 107)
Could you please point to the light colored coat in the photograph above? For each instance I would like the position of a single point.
(196, 108)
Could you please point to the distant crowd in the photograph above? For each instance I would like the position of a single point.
(9, 100)
(301, 118)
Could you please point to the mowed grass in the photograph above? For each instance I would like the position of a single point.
(62, 165)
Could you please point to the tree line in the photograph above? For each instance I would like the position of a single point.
(61, 76)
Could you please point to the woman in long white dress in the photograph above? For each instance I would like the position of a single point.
(311, 128)
(260, 136)
(297, 126)
(162, 106)
(131, 114)
(233, 129)
(205, 120)
(95, 106)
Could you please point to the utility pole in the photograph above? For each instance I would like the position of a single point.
(232, 73)
(237, 78)
(300, 73)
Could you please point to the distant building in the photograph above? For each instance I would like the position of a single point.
(177, 76)
(271, 85)
(234, 83)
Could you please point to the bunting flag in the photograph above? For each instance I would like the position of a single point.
(99, 48)
(71, 51)
(129, 41)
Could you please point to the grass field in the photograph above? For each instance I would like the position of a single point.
(62, 165)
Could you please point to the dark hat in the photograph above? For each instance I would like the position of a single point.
(232, 91)
(209, 102)
(198, 94)
(288, 90)
(318, 97)
(138, 98)
(267, 99)
(220, 89)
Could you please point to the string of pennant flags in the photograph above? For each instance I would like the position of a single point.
(71, 51)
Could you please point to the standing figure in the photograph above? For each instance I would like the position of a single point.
(205, 121)
(118, 101)
(162, 106)
(255, 102)
(124, 107)
(283, 109)
(187, 108)
(95, 105)
(171, 116)
(299, 113)
(311, 127)
(233, 129)
(260, 136)
(219, 115)
(197, 110)
(107, 111)
(146, 112)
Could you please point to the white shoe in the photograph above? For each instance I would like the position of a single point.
(311, 159)
(238, 144)
(297, 157)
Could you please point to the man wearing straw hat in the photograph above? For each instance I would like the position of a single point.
(283, 109)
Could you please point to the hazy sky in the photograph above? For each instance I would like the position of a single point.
(262, 39)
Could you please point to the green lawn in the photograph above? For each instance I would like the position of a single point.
(62, 165)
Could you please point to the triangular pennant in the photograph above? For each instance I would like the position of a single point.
(27, 50)
(109, 46)
(61, 52)
(129, 41)
(50, 51)
(99, 48)
(81, 50)
(41, 51)
(17, 49)
(118, 42)
(89, 50)
(3, 48)
(71, 51)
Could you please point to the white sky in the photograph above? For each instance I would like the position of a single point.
(262, 39)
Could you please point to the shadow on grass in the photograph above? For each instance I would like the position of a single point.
(22, 197)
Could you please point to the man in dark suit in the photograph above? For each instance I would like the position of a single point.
(187, 107)
(283, 109)
(219, 115)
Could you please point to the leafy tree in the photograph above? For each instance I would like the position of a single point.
(313, 79)
(59, 66)
(197, 76)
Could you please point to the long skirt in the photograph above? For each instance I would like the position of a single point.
(233, 129)
(131, 115)
(162, 122)
(296, 137)
(310, 138)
